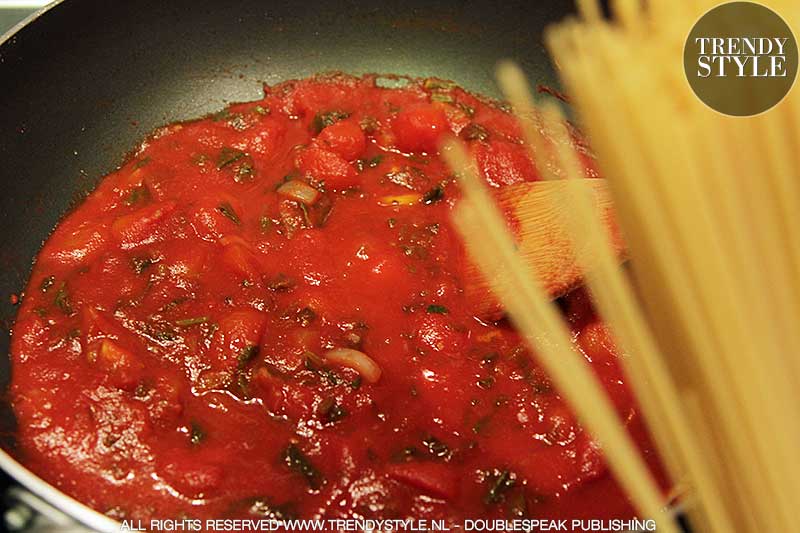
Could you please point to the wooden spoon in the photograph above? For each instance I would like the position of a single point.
(534, 213)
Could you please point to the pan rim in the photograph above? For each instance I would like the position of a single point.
(50, 494)
(4, 38)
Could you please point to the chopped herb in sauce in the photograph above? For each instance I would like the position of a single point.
(62, 299)
(486, 383)
(466, 108)
(330, 411)
(240, 162)
(281, 283)
(140, 264)
(138, 195)
(433, 195)
(436, 447)
(481, 424)
(228, 156)
(437, 309)
(372, 162)
(196, 435)
(47, 283)
(474, 132)
(490, 359)
(299, 463)
(191, 321)
(499, 485)
(323, 120)
(200, 159)
(161, 332)
(305, 317)
(313, 361)
(244, 172)
(227, 210)
(248, 353)
(518, 505)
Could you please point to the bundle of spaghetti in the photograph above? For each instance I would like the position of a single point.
(708, 204)
(707, 311)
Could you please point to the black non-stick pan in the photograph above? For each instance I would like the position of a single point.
(83, 81)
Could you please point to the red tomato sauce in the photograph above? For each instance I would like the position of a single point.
(262, 314)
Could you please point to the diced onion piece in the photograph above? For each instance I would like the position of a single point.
(400, 199)
(300, 191)
(358, 361)
(110, 354)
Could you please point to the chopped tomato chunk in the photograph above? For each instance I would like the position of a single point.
(138, 228)
(240, 258)
(419, 127)
(120, 364)
(327, 166)
(345, 138)
(81, 245)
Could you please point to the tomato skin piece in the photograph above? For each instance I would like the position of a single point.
(345, 138)
(325, 165)
(419, 128)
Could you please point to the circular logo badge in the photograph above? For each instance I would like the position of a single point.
(740, 58)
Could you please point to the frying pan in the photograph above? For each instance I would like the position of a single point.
(83, 81)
